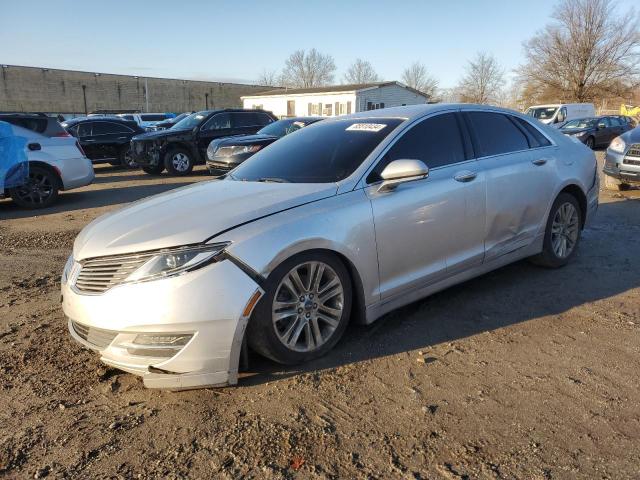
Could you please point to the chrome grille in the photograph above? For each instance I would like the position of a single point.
(634, 151)
(95, 337)
(98, 275)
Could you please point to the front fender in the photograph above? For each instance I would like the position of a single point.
(342, 224)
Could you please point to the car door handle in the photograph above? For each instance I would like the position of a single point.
(34, 147)
(465, 176)
(539, 161)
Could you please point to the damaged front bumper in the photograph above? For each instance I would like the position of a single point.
(176, 333)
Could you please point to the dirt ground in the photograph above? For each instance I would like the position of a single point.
(524, 373)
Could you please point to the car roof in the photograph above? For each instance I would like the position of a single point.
(73, 121)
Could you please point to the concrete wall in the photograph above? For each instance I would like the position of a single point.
(30, 89)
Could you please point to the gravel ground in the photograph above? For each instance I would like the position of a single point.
(521, 373)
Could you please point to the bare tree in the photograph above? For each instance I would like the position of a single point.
(483, 80)
(269, 78)
(587, 53)
(416, 76)
(312, 69)
(361, 71)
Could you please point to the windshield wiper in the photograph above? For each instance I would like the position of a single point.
(273, 180)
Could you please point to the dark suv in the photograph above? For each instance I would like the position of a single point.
(185, 144)
(105, 139)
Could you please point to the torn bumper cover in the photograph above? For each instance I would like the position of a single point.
(160, 330)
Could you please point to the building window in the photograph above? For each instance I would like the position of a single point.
(328, 110)
(291, 108)
(314, 109)
(374, 106)
(257, 107)
(348, 107)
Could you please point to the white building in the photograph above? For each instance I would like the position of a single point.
(335, 99)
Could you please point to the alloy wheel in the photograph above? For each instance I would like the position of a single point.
(307, 306)
(128, 159)
(37, 190)
(180, 162)
(565, 230)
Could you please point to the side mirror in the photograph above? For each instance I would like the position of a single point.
(401, 171)
(601, 126)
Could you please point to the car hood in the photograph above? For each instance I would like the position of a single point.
(160, 134)
(631, 136)
(190, 215)
(243, 139)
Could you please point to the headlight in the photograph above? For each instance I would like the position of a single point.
(237, 150)
(579, 134)
(176, 261)
(67, 270)
(617, 145)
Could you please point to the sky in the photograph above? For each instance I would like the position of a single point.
(237, 40)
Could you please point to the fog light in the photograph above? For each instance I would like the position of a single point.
(157, 345)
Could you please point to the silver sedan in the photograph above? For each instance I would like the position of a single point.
(341, 221)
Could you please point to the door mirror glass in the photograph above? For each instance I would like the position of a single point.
(400, 171)
(601, 125)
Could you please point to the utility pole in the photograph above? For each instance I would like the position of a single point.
(146, 94)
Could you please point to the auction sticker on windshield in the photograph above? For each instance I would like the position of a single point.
(366, 127)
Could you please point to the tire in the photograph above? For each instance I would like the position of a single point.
(563, 228)
(40, 191)
(153, 169)
(126, 158)
(178, 161)
(591, 143)
(268, 336)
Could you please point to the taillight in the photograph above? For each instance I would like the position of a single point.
(62, 134)
(80, 148)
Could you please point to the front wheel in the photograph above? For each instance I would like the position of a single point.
(304, 311)
(40, 190)
(178, 161)
(562, 233)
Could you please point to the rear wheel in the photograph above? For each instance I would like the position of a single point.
(40, 191)
(562, 234)
(304, 311)
(178, 161)
(126, 157)
(590, 142)
(153, 169)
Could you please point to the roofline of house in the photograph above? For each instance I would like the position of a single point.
(334, 92)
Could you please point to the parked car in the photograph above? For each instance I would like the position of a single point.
(346, 219)
(185, 144)
(170, 122)
(597, 131)
(622, 161)
(55, 161)
(105, 139)
(561, 112)
(226, 153)
(146, 121)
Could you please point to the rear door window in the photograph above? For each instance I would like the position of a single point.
(264, 119)
(248, 119)
(495, 134)
(536, 138)
(105, 128)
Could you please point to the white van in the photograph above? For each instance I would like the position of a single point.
(146, 120)
(561, 112)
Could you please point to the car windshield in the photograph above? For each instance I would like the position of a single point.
(542, 113)
(324, 152)
(283, 127)
(192, 121)
(580, 123)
